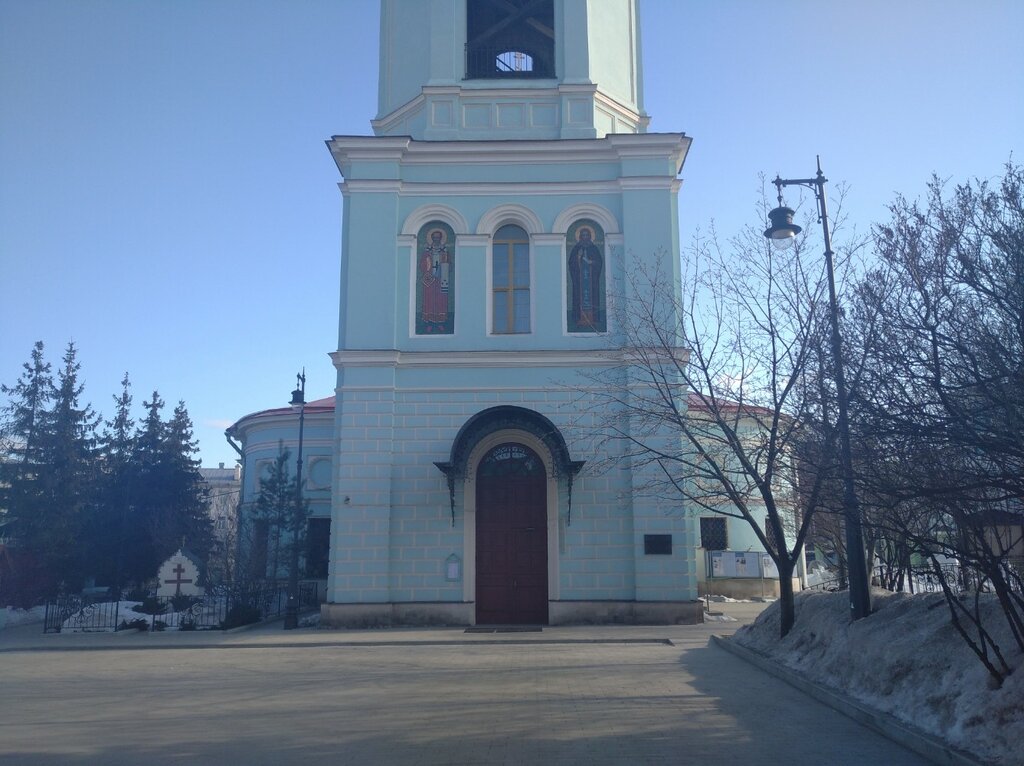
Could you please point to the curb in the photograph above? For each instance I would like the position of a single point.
(922, 743)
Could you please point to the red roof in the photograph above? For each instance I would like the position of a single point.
(316, 406)
(694, 402)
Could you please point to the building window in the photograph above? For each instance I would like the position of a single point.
(585, 294)
(770, 536)
(510, 281)
(514, 62)
(318, 548)
(260, 549)
(512, 38)
(713, 534)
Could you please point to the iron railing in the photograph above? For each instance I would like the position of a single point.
(509, 59)
(221, 607)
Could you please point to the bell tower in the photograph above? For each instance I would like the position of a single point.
(509, 69)
(490, 228)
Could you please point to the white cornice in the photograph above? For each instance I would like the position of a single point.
(412, 189)
(490, 359)
(613, 148)
(649, 182)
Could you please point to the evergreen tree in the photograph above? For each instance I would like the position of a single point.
(168, 496)
(190, 493)
(142, 518)
(274, 505)
(48, 475)
(20, 498)
(66, 477)
(106, 531)
(24, 414)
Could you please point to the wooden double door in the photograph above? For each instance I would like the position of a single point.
(511, 538)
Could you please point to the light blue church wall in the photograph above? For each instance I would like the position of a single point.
(260, 438)
(424, 396)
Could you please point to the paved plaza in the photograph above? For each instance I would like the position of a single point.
(581, 695)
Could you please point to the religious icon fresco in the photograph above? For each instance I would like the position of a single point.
(435, 279)
(585, 301)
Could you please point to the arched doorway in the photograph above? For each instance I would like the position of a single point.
(511, 537)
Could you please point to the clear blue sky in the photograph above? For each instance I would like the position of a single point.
(167, 201)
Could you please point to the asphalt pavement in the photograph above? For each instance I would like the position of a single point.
(562, 695)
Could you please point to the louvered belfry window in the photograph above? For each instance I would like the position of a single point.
(510, 39)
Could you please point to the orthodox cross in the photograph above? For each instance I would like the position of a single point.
(179, 570)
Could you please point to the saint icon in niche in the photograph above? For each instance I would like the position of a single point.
(435, 304)
(586, 299)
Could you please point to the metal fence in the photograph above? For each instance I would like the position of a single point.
(924, 580)
(221, 607)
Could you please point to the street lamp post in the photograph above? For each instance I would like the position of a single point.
(298, 404)
(781, 232)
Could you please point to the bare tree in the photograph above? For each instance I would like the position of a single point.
(940, 402)
(715, 389)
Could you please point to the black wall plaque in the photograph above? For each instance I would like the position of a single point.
(658, 545)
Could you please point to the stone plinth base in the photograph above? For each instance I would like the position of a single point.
(559, 613)
(626, 612)
(390, 614)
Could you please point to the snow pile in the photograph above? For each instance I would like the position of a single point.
(11, 617)
(718, 617)
(907, 660)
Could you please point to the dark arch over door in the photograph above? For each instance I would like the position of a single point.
(511, 538)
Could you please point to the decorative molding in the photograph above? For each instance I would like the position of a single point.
(434, 212)
(548, 240)
(510, 212)
(484, 189)
(592, 210)
(473, 240)
(660, 183)
(476, 359)
(470, 189)
(611, 148)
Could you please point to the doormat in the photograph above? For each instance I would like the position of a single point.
(504, 629)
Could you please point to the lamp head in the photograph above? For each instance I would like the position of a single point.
(298, 399)
(782, 230)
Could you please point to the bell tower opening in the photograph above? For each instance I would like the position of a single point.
(510, 39)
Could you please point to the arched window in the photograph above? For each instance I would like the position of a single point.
(510, 281)
(585, 278)
(511, 460)
(435, 279)
(514, 61)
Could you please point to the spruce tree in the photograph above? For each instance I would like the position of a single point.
(143, 521)
(274, 505)
(21, 421)
(189, 491)
(106, 532)
(66, 476)
(168, 495)
(48, 476)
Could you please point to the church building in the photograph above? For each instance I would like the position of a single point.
(489, 226)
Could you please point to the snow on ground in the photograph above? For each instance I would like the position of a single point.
(11, 617)
(717, 617)
(905, 659)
